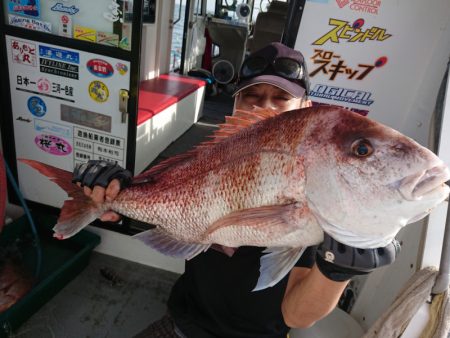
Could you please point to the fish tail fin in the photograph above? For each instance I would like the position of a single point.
(76, 212)
(75, 215)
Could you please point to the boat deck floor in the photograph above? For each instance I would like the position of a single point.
(111, 297)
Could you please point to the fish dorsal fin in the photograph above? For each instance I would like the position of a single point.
(241, 119)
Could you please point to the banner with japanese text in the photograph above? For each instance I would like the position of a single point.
(377, 57)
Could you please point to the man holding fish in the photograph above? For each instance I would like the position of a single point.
(214, 297)
(294, 199)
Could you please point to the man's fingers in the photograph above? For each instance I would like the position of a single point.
(110, 216)
(87, 191)
(98, 194)
(112, 190)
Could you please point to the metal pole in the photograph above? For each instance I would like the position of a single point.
(292, 26)
(185, 32)
(443, 277)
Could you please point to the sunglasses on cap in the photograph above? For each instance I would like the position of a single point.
(284, 67)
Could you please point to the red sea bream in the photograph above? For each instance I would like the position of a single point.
(277, 181)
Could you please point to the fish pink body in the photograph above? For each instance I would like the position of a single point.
(14, 284)
(248, 174)
(277, 182)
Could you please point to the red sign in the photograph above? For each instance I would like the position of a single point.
(100, 68)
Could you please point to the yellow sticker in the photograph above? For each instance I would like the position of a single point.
(98, 91)
(85, 33)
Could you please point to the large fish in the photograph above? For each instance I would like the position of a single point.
(277, 181)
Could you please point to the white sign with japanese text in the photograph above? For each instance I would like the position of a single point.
(379, 57)
(65, 110)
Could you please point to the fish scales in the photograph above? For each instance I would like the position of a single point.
(188, 208)
(249, 170)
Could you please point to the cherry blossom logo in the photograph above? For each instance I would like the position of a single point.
(65, 19)
(43, 85)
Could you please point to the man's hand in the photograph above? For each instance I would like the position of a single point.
(340, 262)
(102, 181)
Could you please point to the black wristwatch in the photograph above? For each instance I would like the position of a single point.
(340, 262)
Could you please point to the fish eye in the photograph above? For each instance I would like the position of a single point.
(362, 148)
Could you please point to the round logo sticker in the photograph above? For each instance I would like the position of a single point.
(358, 24)
(98, 91)
(65, 19)
(100, 68)
(36, 106)
(53, 145)
(381, 61)
(43, 85)
(121, 68)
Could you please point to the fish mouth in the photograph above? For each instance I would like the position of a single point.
(427, 183)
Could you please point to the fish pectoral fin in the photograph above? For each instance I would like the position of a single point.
(266, 216)
(275, 264)
(162, 242)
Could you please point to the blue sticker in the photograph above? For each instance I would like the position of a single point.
(59, 54)
(25, 7)
(37, 106)
(59, 7)
(46, 127)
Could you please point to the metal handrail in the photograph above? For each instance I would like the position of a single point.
(192, 23)
(443, 278)
(442, 281)
(179, 15)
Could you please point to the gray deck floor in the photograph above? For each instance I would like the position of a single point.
(91, 306)
(95, 306)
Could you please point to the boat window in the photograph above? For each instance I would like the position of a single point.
(177, 34)
(198, 7)
(261, 6)
(210, 7)
(227, 9)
